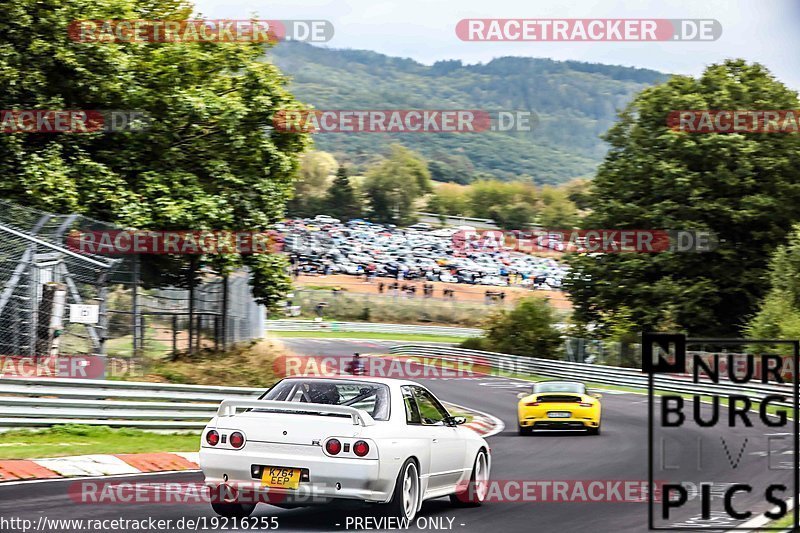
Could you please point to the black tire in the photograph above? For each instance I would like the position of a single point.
(233, 510)
(396, 506)
(524, 430)
(470, 497)
(593, 431)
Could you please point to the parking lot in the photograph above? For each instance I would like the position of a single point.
(327, 246)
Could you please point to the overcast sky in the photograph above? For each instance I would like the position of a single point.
(757, 30)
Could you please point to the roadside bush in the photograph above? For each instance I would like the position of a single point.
(528, 329)
(476, 343)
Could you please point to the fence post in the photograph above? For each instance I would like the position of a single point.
(103, 326)
(198, 332)
(33, 301)
(191, 304)
(51, 313)
(224, 332)
(216, 333)
(138, 343)
(174, 336)
(143, 326)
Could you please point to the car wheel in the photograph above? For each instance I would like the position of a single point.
(594, 431)
(524, 431)
(478, 486)
(405, 498)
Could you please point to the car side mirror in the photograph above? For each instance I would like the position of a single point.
(522, 395)
(597, 395)
(456, 420)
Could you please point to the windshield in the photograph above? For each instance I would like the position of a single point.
(371, 397)
(559, 386)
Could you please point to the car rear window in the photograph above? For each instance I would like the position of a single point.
(370, 397)
(575, 388)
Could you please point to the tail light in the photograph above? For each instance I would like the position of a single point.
(212, 437)
(360, 448)
(585, 404)
(236, 439)
(333, 446)
(531, 404)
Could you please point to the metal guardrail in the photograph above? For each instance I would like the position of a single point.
(311, 325)
(606, 375)
(32, 402)
(37, 403)
(29, 402)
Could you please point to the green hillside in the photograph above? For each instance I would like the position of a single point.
(575, 102)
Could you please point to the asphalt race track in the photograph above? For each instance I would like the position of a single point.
(619, 453)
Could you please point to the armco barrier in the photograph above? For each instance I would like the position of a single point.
(35, 403)
(311, 325)
(29, 402)
(606, 375)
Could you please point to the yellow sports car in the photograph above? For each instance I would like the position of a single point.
(558, 405)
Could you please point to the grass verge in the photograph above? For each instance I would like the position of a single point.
(244, 366)
(76, 439)
(367, 335)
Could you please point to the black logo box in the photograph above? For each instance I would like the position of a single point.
(675, 345)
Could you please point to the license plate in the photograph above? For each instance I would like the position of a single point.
(559, 414)
(278, 477)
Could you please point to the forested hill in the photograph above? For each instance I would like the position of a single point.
(575, 102)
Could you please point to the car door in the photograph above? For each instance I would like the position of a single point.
(447, 447)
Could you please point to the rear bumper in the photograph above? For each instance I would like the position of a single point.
(558, 424)
(328, 478)
(540, 420)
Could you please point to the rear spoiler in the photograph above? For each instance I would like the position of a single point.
(359, 416)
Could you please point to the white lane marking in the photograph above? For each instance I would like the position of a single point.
(87, 465)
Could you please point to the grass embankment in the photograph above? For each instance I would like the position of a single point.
(60, 441)
(368, 335)
(245, 366)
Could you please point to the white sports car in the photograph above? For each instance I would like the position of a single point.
(314, 440)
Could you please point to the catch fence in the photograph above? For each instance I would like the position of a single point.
(55, 299)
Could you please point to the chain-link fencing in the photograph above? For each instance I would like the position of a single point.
(55, 299)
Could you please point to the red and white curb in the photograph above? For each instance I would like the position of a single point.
(96, 465)
(482, 423)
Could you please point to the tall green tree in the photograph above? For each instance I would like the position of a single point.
(778, 316)
(342, 200)
(394, 185)
(313, 179)
(744, 188)
(209, 159)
